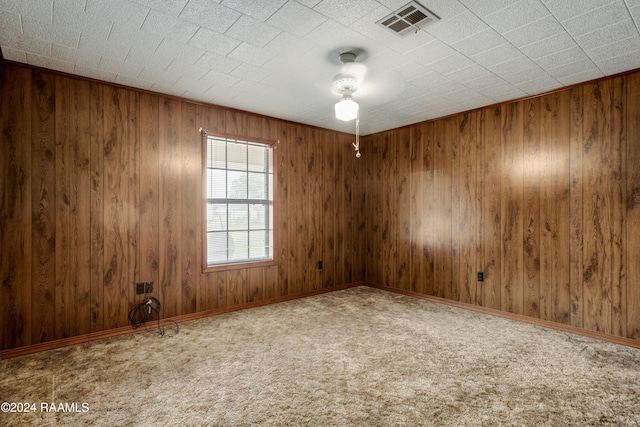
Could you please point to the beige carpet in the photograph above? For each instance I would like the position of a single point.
(359, 357)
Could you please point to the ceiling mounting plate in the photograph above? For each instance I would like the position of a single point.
(408, 19)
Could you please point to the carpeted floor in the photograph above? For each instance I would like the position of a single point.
(358, 357)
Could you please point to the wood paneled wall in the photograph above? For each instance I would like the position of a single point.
(101, 188)
(542, 195)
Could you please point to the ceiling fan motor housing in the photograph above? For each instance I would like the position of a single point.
(345, 84)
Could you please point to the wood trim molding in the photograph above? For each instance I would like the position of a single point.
(518, 317)
(65, 342)
(51, 345)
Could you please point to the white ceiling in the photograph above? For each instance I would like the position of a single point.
(278, 57)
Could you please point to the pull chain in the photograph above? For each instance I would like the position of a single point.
(356, 144)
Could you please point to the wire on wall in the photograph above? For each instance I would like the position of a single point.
(148, 311)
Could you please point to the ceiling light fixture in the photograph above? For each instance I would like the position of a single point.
(346, 109)
(346, 84)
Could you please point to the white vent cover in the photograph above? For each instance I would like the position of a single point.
(408, 19)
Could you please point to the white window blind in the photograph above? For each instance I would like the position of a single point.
(239, 201)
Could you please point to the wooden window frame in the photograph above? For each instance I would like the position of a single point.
(242, 264)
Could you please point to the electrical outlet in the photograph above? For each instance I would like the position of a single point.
(139, 288)
(148, 287)
(319, 265)
(480, 276)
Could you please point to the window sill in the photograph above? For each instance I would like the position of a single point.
(237, 266)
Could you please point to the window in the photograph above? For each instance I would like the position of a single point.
(239, 201)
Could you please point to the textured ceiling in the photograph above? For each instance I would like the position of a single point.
(278, 57)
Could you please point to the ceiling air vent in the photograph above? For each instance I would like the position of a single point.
(408, 19)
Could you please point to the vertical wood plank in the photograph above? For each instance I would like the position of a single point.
(313, 163)
(576, 202)
(389, 212)
(43, 207)
(97, 207)
(210, 118)
(421, 177)
(432, 221)
(469, 193)
(532, 164)
(237, 287)
(512, 209)
(116, 198)
(255, 284)
(367, 178)
(132, 194)
(220, 283)
(270, 282)
(382, 228)
(357, 213)
(477, 294)
(491, 207)
(170, 255)
(555, 286)
(80, 208)
(15, 209)
(294, 204)
(330, 211)
(366, 181)
(343, 195)
(204, 291)
(465, 259)
(376, 208)
(236, 123)
(403, 209)
(348, 224)
(63, 305)
(281, 202)
(633, 206)
(618, 215)
(149, 189)
(270, 132)
(303, 248)
(445, 142)
(452, 151)
(298, 254)
(453, 139)
(562, 190)
(597, 206)
(190, 194)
